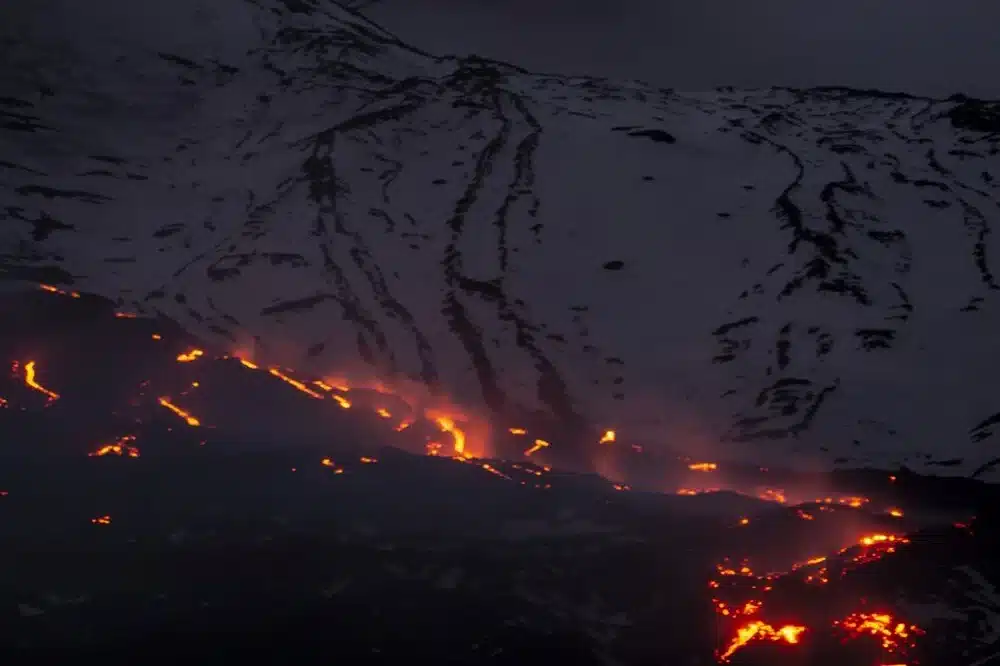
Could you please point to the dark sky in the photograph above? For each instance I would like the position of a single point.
(934, 47)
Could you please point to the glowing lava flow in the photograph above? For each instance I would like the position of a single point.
(447, 424)
(896, 637)
(742, 615)
(189, 356)
(295, 383)
(762, 631)
(536, 447)
(56, 290)
(446, 420)
(190, 420)
(122, 447)
(29, 379)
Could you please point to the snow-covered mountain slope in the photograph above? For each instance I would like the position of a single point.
(781, 275)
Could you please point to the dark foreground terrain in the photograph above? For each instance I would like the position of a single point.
(159, 502)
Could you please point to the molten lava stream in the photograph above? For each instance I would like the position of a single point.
(743, 602)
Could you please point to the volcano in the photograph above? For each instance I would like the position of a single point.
(320, 344)
(795, 276)
(161, 498)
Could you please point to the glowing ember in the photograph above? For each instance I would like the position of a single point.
(493, 470)
(383, 412)
(703, 467)
(101, 520)
(696, 491)
(295, 384)
(190, 420)
(853, 502)
(29, 379)
(191, 355)
(125, 315)
(536, 447)
(608, 437)
(342, 401)
(56, 290)
(882, 539)
(122, 447)
(773, 495)
(517, 431)
(326, 462)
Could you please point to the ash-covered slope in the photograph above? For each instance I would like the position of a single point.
(775, 274)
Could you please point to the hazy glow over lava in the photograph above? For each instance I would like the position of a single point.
(741, 595)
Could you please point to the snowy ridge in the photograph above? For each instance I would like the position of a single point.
(782, 275)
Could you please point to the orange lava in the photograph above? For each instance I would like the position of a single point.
(536, 447)
(773, 495)
(893, 635)
(751, 590)
(56, 290)
(30, 380)
(327, 462)
(690, 492)
(761, 631)
(190, 420)
(742, 596)
(447, 424)
(295, 383)
(122, 447)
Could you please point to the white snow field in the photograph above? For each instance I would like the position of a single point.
(797, 276)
